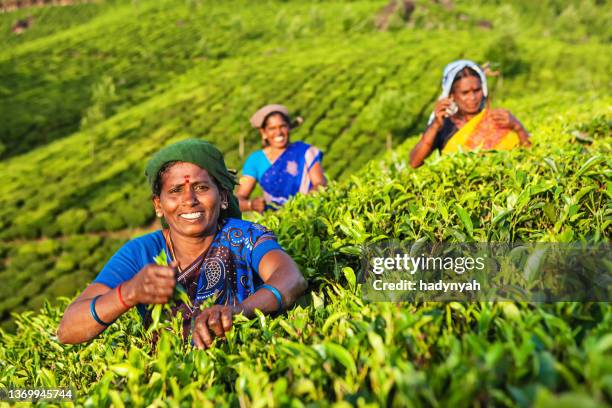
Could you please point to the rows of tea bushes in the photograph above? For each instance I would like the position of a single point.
(47, 21)
(335, 347)
(50, 73)
(81, 184)
(350, 113)
(573, 21)
(42, 270)
(48, 81)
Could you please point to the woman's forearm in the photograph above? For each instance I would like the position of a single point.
(520, 130)
(424, 147)
(245, 204)
(290, 288)
(278, 270)
(522, 133)
(317, 177)
(78, 325)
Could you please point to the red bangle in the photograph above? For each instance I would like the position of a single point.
(121, 298)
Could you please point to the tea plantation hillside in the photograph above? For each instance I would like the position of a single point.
(50, 81)
(90, 91)
(335, 347)
(82, 188)
(78, 65)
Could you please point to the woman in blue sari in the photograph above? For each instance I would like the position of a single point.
(282, 168)
(208, 249)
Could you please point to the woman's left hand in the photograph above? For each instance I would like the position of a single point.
(212, 322)
(504, 119)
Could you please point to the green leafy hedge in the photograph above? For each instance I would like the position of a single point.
(333, 346)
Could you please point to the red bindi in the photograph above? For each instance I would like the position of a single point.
(186, 179)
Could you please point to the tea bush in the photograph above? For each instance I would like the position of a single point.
(51, 74)
(200, 69)
(335, 347)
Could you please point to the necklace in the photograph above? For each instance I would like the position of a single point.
(184, 273)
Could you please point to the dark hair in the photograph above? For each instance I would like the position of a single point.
(157, 186)
(464, 73)
(264, 123)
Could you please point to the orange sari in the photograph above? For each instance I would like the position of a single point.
(481, 132)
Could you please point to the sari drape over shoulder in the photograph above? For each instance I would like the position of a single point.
(228, 271)
(481, 132)
(288, 175)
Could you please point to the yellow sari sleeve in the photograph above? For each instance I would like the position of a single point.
(510, 141)
(461, 138)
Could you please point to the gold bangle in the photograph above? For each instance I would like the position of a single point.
(250, 208)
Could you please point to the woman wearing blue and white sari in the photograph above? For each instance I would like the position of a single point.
(205, 250)
(282, 168)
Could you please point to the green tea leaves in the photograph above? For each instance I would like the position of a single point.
(338, 353)
(465, 219)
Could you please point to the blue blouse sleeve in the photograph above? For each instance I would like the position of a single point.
(250, 166)
(122, 266)
(256, 165)
(263, 241)
(130, 259)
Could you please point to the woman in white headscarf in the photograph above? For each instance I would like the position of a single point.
(461, 118)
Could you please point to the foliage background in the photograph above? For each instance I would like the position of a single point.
(91, 90)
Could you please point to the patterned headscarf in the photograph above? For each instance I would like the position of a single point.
(202, 154)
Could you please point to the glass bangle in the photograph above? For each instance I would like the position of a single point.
(92, 310)
(276, 294)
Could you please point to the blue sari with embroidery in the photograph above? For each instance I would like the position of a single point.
(228, 269)
(288, 175)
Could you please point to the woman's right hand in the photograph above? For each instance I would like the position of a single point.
(258, 204)
(440, 110)
(425, 145)
(154, 284)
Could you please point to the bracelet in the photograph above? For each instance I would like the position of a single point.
(276, 294)
(250, 205)
(121, 297)
(92, 310)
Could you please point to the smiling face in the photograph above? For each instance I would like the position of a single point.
(275, 131)
(189, 200)
(467, 93)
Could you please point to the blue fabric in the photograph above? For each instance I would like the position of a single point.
(256, 165)
(288, 175)
(230, 268)
(229, 264)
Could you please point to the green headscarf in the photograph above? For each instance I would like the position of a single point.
(202, 154)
